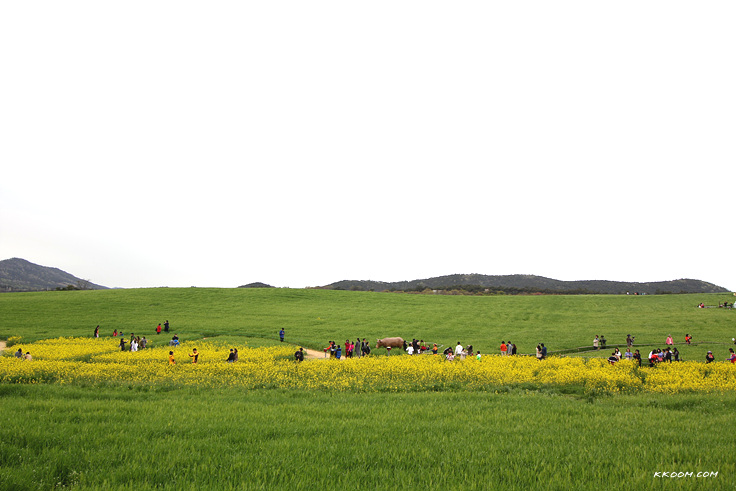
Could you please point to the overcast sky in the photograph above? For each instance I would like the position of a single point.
(298, 143)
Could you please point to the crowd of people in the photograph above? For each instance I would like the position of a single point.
(353, 349)
(139, 343)
(361, 347)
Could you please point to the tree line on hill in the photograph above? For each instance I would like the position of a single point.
(526, 285)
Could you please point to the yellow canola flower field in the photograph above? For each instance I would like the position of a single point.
(98, 361)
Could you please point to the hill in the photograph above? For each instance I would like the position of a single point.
(531, 284)
(257, 284)
(20, 275)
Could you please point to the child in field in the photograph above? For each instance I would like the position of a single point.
(477, 356)
(171, 358)
(194, 356)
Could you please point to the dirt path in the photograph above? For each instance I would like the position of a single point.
(3, 345)
(314, 354)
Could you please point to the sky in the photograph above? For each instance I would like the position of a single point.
(215, 144)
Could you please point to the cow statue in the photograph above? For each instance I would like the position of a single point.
(390, 343)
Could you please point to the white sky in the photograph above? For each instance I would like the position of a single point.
(298, 143)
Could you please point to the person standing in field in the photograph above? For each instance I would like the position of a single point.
(358, 348)
(299, 355)
(166, 326)
(668, 341)
(595, 342)
(504, 349)
(458, 349)
(544, 351)
(236, 354)
(282, 333)
(231, 356)
(122, 344)
(97, 331)
(688, 338)
(158, 328)
(194, 356)
(637, 357)
(171, 358)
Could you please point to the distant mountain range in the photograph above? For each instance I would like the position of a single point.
(20, 275)
(530, 284)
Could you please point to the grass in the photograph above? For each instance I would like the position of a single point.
(119, 438)
(169, 436)
(313, 317)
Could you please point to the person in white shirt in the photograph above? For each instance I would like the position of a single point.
(410, 349)
(458, 349)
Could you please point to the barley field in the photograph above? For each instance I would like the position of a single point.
(82, 414)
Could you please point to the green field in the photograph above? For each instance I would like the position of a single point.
(154, 437)
(313, 317)
(216, 439)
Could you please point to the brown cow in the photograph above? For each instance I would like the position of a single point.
(390, 343)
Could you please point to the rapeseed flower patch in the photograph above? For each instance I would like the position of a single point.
(97, 361)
